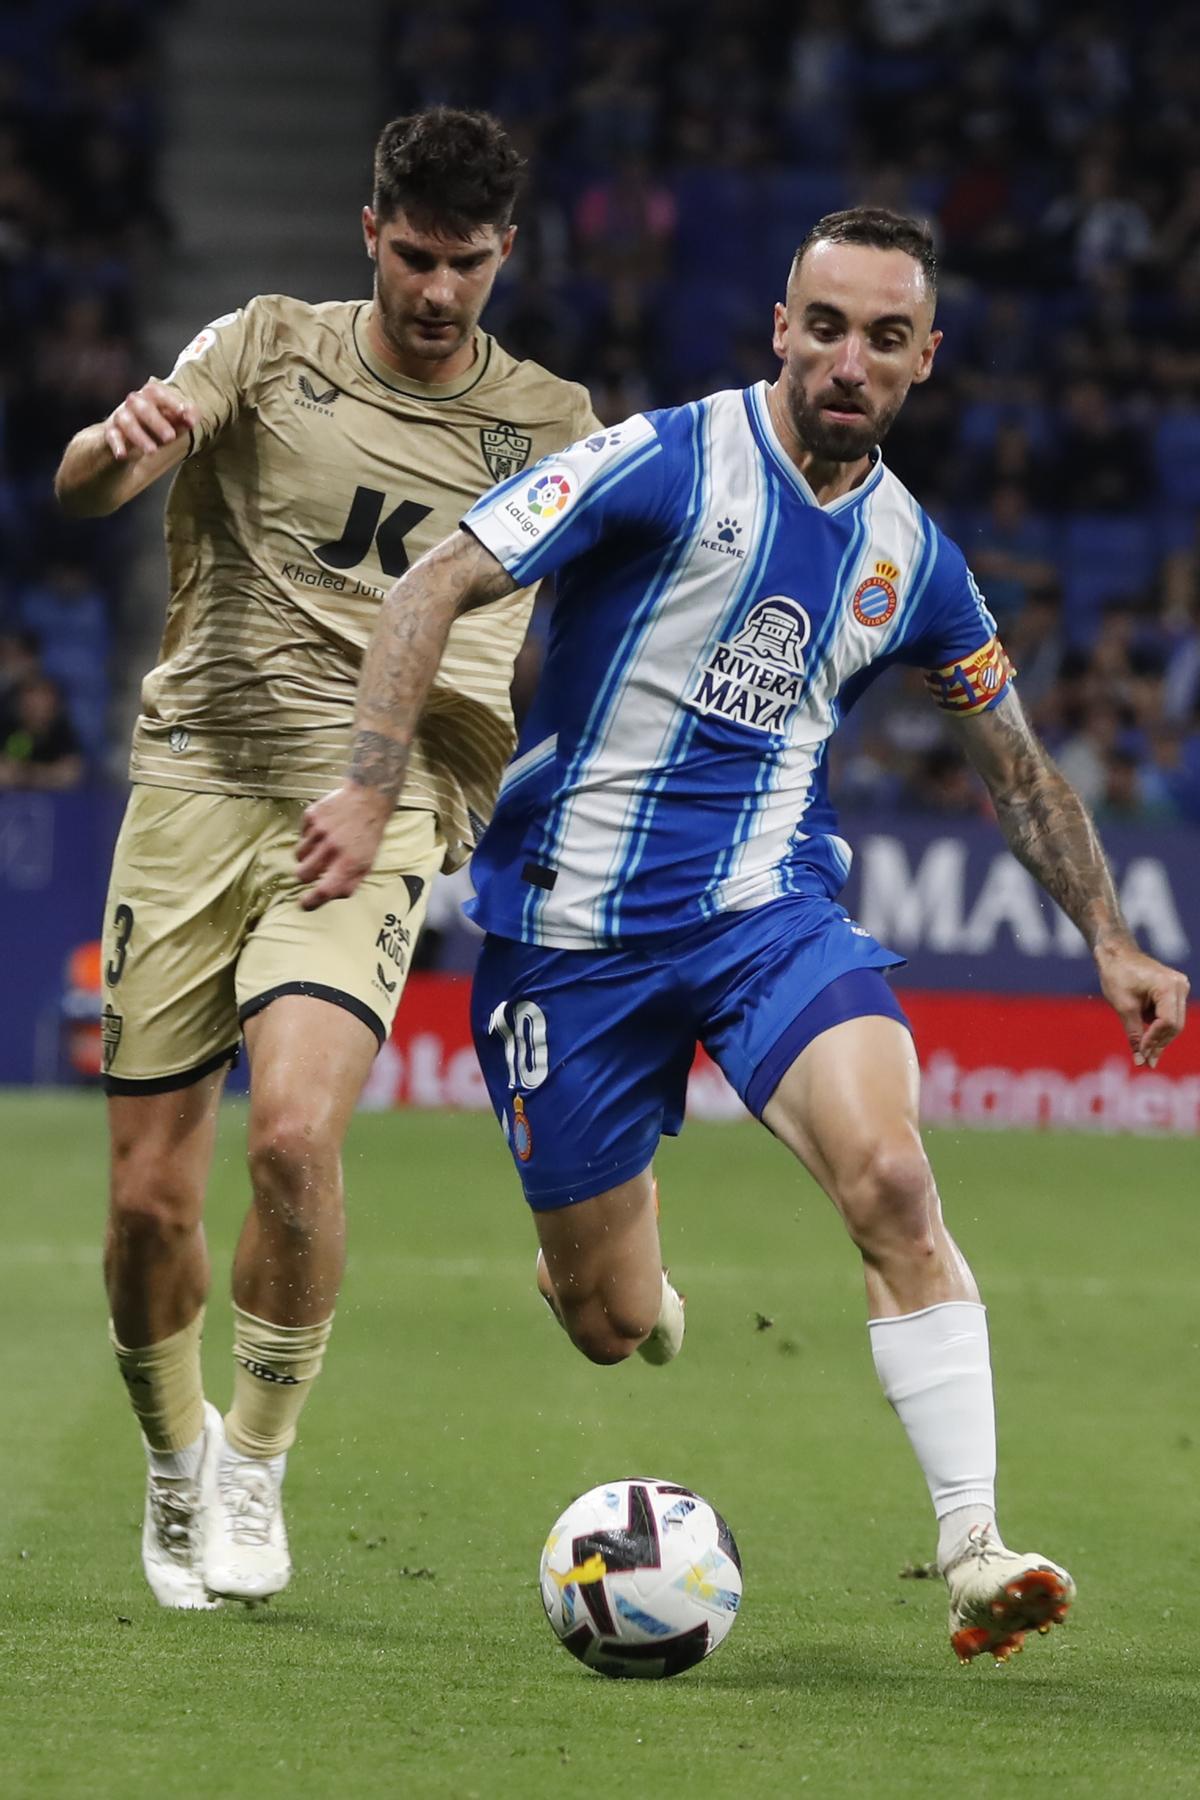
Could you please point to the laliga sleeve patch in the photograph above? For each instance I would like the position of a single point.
(974, 683)
(203, 342)
(532, 506)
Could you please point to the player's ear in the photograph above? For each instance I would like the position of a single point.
(924, 368)
(508, 238)
(370, 231)
(779, 340)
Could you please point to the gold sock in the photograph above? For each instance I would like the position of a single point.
(165, 1386)
(273, 1368)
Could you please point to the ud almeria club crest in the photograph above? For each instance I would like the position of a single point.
(756, 678)
(505, 449)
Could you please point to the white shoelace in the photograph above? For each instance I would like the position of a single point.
(980, 1546)
(250, 1499)
(173, 1508)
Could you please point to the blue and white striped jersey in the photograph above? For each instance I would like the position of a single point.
(713, 623)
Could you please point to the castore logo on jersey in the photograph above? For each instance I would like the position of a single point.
(315, 399)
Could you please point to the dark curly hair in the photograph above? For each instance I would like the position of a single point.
(880, 229)
(448, 170)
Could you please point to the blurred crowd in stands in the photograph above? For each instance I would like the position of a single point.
(678, 151)
(80, 228)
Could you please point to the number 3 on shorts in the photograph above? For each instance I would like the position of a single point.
(524, 1040)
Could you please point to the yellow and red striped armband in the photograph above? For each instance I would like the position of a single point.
(975, 683)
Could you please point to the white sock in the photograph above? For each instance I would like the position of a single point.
(276, 1464)
(178, 1465)
(935, 1369)
(954, 1526)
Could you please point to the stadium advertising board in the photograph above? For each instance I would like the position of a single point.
(986, 956)
(989, 1060)
(967, 915)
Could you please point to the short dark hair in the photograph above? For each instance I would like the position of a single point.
(880, 229)
(448, 170)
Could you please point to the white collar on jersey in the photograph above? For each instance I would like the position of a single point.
(766, 425)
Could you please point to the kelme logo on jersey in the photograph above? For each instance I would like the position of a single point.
(875, 599)
(724, 542)
(756, 678)
(505, 449)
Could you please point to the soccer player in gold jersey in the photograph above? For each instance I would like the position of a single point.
(317, 450)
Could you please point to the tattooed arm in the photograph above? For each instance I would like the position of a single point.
(1049, 830)
(342, 832)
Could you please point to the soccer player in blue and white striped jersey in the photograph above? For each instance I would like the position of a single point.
(664, 863)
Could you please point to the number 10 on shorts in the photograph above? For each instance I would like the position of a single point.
(521, 1027)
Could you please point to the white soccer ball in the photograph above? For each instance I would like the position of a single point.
(641, 1578)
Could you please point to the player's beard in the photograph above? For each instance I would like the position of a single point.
(833, 442)
(401, 328)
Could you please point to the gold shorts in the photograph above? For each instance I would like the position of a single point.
(204, 927)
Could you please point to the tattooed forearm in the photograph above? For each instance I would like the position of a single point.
(378, 762)
(1046, 824)
(405, 650)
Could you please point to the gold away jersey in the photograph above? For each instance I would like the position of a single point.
(316, 476)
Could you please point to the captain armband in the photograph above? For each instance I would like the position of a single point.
(974, 683)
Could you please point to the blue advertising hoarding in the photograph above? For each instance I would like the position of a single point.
(54, 855)
(951, 899)
(948, 896)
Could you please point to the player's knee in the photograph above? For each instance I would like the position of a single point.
(152, 1203)
(291, 1142)
(606, 1333)
(293, 1158)
(892, 1200)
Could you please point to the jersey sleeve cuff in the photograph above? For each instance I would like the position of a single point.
(495, 537)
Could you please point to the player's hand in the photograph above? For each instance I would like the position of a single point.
(153, 415)
(339, 841)
(1149, 998)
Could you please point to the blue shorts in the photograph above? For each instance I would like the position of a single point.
(586, 1053)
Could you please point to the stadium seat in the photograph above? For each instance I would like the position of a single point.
(1105, 556)
(1177, 458)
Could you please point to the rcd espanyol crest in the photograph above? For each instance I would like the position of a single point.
(756, 678)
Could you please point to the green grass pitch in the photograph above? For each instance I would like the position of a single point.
(410, 1656)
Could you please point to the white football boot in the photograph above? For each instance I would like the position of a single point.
(245, 1541)
(666, 1339)
(173, 1525)
(997, 1595)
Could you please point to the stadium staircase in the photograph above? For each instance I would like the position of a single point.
(270, 111)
